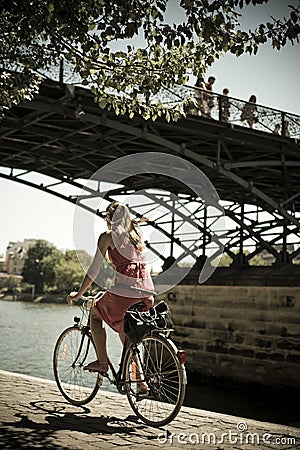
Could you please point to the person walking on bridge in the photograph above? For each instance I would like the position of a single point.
(224, 106)
(249, 111)
(200, 87)
(208, 97)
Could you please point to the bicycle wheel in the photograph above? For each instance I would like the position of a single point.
(156, 363)
(73, 350)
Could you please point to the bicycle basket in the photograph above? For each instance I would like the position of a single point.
(138, 324)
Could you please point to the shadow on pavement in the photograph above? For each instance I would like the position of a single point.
(27, 433)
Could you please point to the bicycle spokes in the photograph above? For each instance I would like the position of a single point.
(156, 393)
(74, 349)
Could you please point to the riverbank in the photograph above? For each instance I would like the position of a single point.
(34, 415)
(29, 332)
(41, 298)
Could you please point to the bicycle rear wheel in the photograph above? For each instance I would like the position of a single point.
(155, 361)
(73, 350)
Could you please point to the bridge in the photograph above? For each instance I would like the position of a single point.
(239, 331)
(63, 135)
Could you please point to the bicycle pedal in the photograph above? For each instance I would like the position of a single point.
(140, 397)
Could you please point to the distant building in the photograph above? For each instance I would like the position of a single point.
(16, 253)
(269, 259)
(2, 263)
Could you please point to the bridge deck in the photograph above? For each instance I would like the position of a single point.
(63, 134)
(50, 136)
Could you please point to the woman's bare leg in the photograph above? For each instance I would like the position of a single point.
(99, 336)
(141, 385)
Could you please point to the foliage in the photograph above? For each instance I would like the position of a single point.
(47, 267)
(10, 284)
(39, 265)
(226, 260)
(68, 274)
(36, 34)
(72, 267)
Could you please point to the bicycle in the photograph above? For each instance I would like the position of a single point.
(155, 361)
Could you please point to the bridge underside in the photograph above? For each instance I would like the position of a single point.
(64, 136)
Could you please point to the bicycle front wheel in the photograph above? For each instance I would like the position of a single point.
(156, 380)
(73, 350)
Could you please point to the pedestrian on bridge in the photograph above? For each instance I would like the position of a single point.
(249, 111)
(224, 106)
(208, 97)
(200, 87)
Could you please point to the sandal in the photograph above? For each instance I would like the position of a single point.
(141, 389)
(95, 366)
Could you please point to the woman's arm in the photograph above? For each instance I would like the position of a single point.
(104, 242)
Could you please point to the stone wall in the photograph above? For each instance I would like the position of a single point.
(241, 333)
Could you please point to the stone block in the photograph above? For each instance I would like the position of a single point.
(242, 326)
(293, 331)
(253, 315)
(273, 329)
(242, 351)
(289, 344)
(202, 311)
(217, 325)
(194, 323)
(246, 332)
(277, 356)
(263, 342)
(225, 336)
(192, 345)
(261, 355)
(294, 359)
(216, 348)
(239, 338)
(181, 332)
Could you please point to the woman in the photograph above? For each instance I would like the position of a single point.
(249, 111)
(200, 85)
(124, 245)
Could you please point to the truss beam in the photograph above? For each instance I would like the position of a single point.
(247, 167)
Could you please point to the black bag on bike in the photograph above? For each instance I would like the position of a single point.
(138, 324)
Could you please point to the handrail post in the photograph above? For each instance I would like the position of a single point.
(61, 71)
(219, 100)
(282, 123)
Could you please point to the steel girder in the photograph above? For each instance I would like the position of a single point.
(54, 136)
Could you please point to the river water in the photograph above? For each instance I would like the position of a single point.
(28, 333)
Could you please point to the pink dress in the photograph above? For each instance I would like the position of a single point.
(131, 270)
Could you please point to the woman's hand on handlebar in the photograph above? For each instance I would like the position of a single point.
(73, 297)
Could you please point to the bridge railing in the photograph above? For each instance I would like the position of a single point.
(210, 105)
(232, 110)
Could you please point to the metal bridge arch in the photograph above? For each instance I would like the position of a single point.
(254, 173)
(149, 201)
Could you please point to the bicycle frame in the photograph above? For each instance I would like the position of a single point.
(151, 373)
(85, 331)
(119, 376)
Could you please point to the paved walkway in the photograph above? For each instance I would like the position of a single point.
(34, 415)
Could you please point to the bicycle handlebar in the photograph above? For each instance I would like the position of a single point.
(132, 288)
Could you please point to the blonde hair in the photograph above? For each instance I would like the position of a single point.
(124, 229)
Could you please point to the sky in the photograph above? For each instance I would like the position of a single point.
(271, 75)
